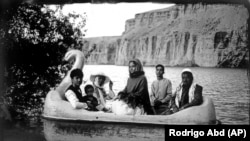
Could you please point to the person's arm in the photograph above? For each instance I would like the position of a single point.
(124, 91)
(95, 102)
(169, 93)
(142, 93)
(111, 94)
(173, 105)
(142, 88)
(197, 98)
(74, 101)
(153, 109)
(152, 95)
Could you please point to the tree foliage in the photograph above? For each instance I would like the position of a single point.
(35, 39)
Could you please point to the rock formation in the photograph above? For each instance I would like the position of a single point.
(105, 50)
(182, 35)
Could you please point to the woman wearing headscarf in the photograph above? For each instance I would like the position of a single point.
(136, 93)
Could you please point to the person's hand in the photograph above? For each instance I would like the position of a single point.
(110, 85)
(85, 106)
(105, 109)
(118, 96)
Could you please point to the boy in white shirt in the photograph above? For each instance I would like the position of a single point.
(74, 94)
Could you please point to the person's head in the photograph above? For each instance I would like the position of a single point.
(99, 79)
(76, 76)
(159, 70)
(187, 77)
(135, 67)
(89, 89)
(123, 96)
(132, 101)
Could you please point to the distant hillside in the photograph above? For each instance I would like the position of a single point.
(181, 35)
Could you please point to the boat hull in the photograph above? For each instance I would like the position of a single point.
(63, 123)
(95, 131)
(58, 109)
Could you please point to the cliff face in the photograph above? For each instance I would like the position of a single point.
(187, 35)
(105, 50)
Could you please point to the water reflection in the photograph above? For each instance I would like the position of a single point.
(20, 130)
(93, 131)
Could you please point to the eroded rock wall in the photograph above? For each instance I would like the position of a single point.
(105, 50)
(187, 35)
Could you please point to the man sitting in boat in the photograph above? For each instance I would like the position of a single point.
(136, 90)
(161, 91)
(187, 93)
(73, 93)
(100, 93)
(89, 98)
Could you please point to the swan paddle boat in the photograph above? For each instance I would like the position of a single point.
(60, 117)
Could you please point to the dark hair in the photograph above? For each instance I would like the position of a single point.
(76, 72)
(123, 96)
(131, 99)
(160, 65)
(87, 87)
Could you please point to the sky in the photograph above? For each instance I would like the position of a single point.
(109, 19)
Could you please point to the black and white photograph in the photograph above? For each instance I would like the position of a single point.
(113, 70)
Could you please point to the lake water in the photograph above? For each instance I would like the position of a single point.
(228, 88)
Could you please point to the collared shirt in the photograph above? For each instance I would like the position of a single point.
(160, 89)
(72, 95)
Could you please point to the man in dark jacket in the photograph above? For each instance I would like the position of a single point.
(187, 93)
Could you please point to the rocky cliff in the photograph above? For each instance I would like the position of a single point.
(187, 35)
(105, 50)
(182, 35)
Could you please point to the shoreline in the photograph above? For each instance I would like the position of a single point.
(177, 66)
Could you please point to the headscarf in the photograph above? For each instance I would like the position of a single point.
(139, 68)
(186, 70)
(189, 72)
(191, 89)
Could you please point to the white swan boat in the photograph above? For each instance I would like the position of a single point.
(58, 111)
(57, 108)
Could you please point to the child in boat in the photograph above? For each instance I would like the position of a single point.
(89, 98)
(74, 94)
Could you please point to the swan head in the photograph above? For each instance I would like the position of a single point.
(78, 58)
(74, 54)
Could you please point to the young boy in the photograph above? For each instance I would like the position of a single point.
(74, 94)
(89, 98)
